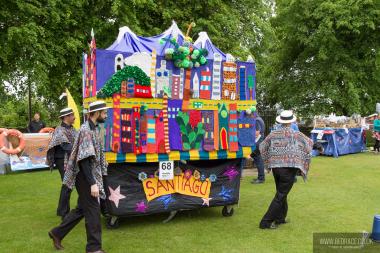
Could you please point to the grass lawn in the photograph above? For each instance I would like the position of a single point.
(342, 195)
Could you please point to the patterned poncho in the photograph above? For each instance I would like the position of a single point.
(62, 134)
(287, 148)
(87, 145)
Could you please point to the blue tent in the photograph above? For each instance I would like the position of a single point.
(204, 41)
(341, 141)
(154, 41)
(128, 42)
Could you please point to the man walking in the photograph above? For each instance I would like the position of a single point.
(285, 152)
(85, 171)
(58, 153)
(256, 155)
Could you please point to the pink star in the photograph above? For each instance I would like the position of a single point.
(141, 207)
(115, 195)
(206, 201)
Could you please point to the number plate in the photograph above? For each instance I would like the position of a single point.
(166, 171)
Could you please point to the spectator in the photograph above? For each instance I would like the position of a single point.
(376, 134)
(256, 155)
(36, 124)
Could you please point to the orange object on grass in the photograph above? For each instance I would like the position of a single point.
(12, 132)
(46, 130)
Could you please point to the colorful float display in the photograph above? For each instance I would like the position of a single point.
(24, 151)
(171, 99)
(339, 135)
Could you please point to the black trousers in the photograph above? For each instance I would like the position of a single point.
(89, 208)
(377, 146)
(258, 160)
(278, 209)
(64, 197)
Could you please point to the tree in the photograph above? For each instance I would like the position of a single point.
(14, 113)
(41, 42)
(327, 58)
(237, 27)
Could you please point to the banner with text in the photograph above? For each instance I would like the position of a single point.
(135, 188)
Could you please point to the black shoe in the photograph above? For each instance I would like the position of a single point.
(279, 222)
(56, 241)
(272, 226)
(258, 181)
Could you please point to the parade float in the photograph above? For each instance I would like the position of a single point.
(23, 151)
(339, 135)
(27, 151)
(181, 121)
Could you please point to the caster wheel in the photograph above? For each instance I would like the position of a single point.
(112, 222)
(227, 211)
(105, 214)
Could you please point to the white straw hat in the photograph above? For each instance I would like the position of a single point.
(97, 106)
(66, 111)
(286, 116)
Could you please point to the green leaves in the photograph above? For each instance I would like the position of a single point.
(14, 114)
(43, 41)
(325, 59)
(184, 119)
(317, 56)
(191, 137)
(186, 146)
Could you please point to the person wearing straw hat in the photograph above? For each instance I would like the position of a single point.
(85, 115)
(58, 153)
(85, 170)
(287, 153)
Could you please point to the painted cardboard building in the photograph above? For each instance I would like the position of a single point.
(163, 112)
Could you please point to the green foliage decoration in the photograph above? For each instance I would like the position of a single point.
(113, 85)
(191, 137)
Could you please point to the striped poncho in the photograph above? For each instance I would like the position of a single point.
(287, 148)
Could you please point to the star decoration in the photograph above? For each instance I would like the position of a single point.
(166, 200)
(206, 201)
(225, 193)
(115, 195)
(141, 207)
(231, 173)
